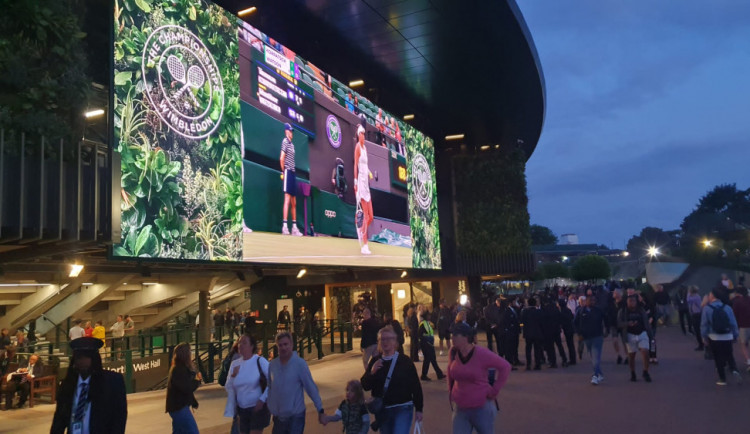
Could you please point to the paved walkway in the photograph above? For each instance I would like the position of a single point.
(683, 398)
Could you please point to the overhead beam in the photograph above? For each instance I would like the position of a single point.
(78, 303)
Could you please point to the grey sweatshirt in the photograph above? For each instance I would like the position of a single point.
(285, 385)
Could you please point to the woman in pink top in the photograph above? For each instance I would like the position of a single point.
(475, 376)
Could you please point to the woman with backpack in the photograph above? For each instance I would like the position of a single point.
(719, 330)
(247, 389)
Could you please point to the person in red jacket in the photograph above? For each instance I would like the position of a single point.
(475, 377)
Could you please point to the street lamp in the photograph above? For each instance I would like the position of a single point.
(706, 243)
(653, 251)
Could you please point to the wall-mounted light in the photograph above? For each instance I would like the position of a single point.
(301, 273)
(463, 299)
(356, 83)
(94, 113)
(403, 274)
(484, 147)
(247, 11)
(401, 293)
(75, 270)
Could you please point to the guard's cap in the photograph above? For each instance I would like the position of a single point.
(86, 344)
(288, 127)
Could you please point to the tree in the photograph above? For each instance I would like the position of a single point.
(42, 67)
(590, 267)
(723, 209)
(653, 237)
(542, 235)
(554, 270)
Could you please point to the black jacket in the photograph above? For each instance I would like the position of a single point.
(109, 407)
(404, 386)
(180, 387)
(509, 322)
(551, 321)
(531, 317)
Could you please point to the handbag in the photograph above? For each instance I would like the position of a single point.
(418, 428)
(375, 404)
(359, 216)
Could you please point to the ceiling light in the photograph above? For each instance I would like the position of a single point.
(356, 83)
(497, 146)
(87, 283)
(454, 137)
(4, 285)
(149, 283)
(301, 273)
(401, 293)
(484, 147)
(247, 11)
(408, 117)
(403, 274)
(94, 113)
(463, 299)
(75, 270)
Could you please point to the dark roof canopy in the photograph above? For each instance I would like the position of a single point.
(459, 66)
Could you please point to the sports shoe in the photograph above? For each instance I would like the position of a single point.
(296, 231)
(737, 377)
(284, 230)
(594, 380)
(646, 376)
(633, 377)
(600, 377)
(721, 383)
(365, 250)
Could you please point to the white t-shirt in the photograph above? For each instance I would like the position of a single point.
(243, 390)
(76, 332)
(118, 329)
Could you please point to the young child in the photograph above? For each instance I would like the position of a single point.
(352, 410)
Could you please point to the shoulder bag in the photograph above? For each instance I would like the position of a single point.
(375, 404)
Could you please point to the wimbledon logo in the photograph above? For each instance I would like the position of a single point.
(421, 181)
(183, 82)
(334, 131)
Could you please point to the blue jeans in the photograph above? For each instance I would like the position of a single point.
(183, 421)
(481, 419)
(289, 425)
(594, 347)
(396, 420)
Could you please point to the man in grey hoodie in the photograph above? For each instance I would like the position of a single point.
(288, 376)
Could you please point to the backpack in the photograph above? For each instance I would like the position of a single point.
(720, 320)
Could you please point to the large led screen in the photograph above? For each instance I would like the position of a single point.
(234, 148)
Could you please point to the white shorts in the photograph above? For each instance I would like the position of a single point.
(637, 342)
(744, 335)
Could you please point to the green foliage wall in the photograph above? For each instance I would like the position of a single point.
(491, 203)
(181, 197)
(590, 267)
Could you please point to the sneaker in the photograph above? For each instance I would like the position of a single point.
(365, 250)
(284, 230)
(296, 231)
(721, 383)
(619, 360)
(600, 377)
(633, 377)
(594, 380)
(646, 376)
(737, 377)
(426, 378)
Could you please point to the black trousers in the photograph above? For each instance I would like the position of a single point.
(536, 345)
(723, 356)
(428, 351)
(511, 349)
(696, 319)
(684, 316)
(570, 342)
(414, 346)
(490, 337)
(13, 386)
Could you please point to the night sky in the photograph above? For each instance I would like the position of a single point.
(648, 108)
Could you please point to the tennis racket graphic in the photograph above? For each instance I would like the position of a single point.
(194, 79)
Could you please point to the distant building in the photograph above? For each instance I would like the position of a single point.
(568, 239)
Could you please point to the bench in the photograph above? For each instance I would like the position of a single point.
(46, 384)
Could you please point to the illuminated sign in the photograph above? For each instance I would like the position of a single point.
(421, 181)
(186, 90)
(333, 130)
